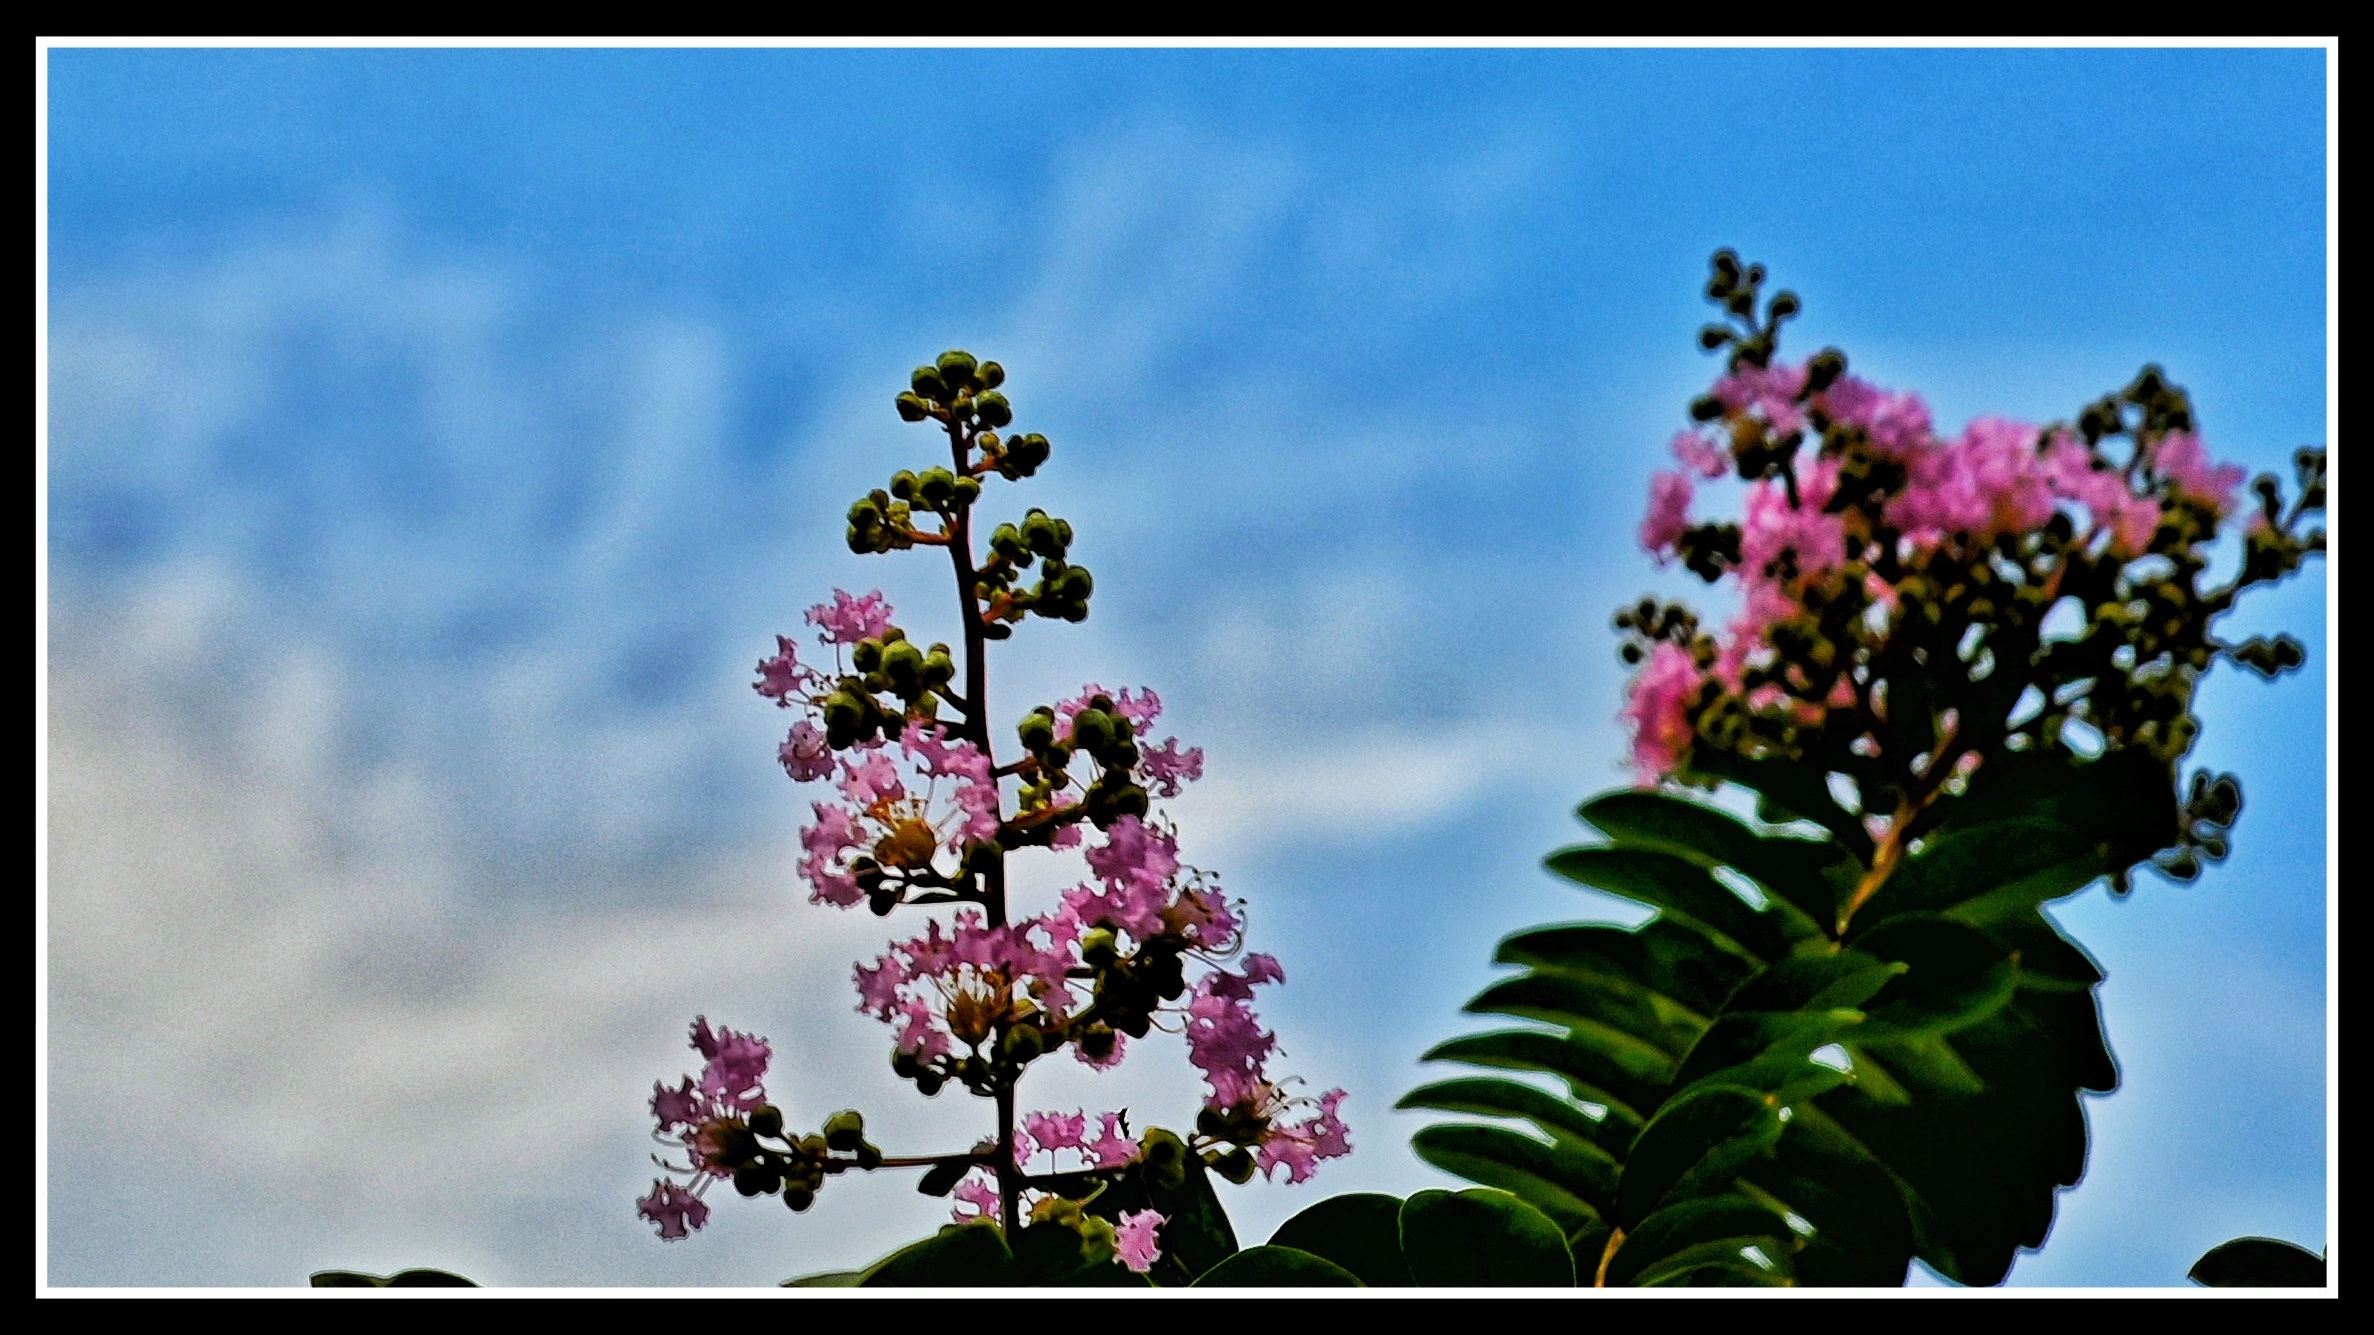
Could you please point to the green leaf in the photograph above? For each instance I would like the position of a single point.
(1480, 1238)
(1625, 1014)
(1274, 1267)
(958, 1256)
(1861, 1234)
(830, 1279)
(402, 1279)
(1791, 790)
(2000, 869)
(1682, 890)
(1796, 874)
(1568, 1183)
(1360, 1231)
(1956, 975)
(1699, 1141)
(1674, 1231)
(2259, 1263)
(1724, 1261)
(1588, 1071)
(1673, 963)
(1556, 1117)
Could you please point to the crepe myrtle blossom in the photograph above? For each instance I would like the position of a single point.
(911, 805)
(704, 1117)
(1913, 600)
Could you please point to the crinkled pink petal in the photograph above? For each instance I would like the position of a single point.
(846, 620)
(779, 677)
(1669, 513)
(677, 1212)
(1658, 708)
(1056, 1131)
(1114, 1148)
(804, 754)
(1134, 1242)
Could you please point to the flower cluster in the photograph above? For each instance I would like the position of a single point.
(919, 819)
(1911, 603)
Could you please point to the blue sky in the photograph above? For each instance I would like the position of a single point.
(437, 438)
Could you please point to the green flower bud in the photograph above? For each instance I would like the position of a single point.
(993, 408)
(767, 1121)
(1097, 947)
(1092, 730)
(844, 1130)
(756, 1180)
(1022, 1044)
(912, 408)
(1037, 729)
(902, 485)
(956, 368)
(968, 490)
(1236, 1166)
(798, 1198)
(992, 374)
(927, 384)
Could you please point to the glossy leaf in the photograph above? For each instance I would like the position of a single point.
(1705, 1136)
(402, 1279)
(958, 1256)
(1674, 1231)
(1570, 1184)
(1557, 1117)
(1273, 1267)
(2259, 1263)
(1360, 1231)
(1480, 1238)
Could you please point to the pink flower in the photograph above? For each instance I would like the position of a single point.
(877, 988)
(804, 754)
(1136, 863)
(1897, 425)
(1298, 1147)
(2103, 491)
(677, 1211)
(1770, 390)
(1224, 1039)
(1056, 1131)
(846, 620)
(1167, 767)
(1114, 1148)
(869, 780)
(979, 1190)
(1669, 513)
(1134, 1245)
(1813, 540)
(1699, 455)
(834, 833)
(679, 1107)
(779, 677)
(1658, 709)
(737, 1065)
(2181, 460)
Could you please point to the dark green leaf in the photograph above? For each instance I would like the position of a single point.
(1990, 871)
(1482, 1239)
(1571, 1184)
(1672, 962)
(1588, 1071)
(830, 1279)
(1275, 1267)
(1670, 1233)
(1724, 1262)
(1506, 1098)
(402, 1279)
(1956, 976)
(1792, 872)
(1585, 1002)
(1683, 890)
(1790, 791)
(2259, 1263)
(1696, 1143)
(1360, 1231)
(958, 1256)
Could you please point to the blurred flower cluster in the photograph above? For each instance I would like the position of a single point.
(1911, 604)
(923, 816)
